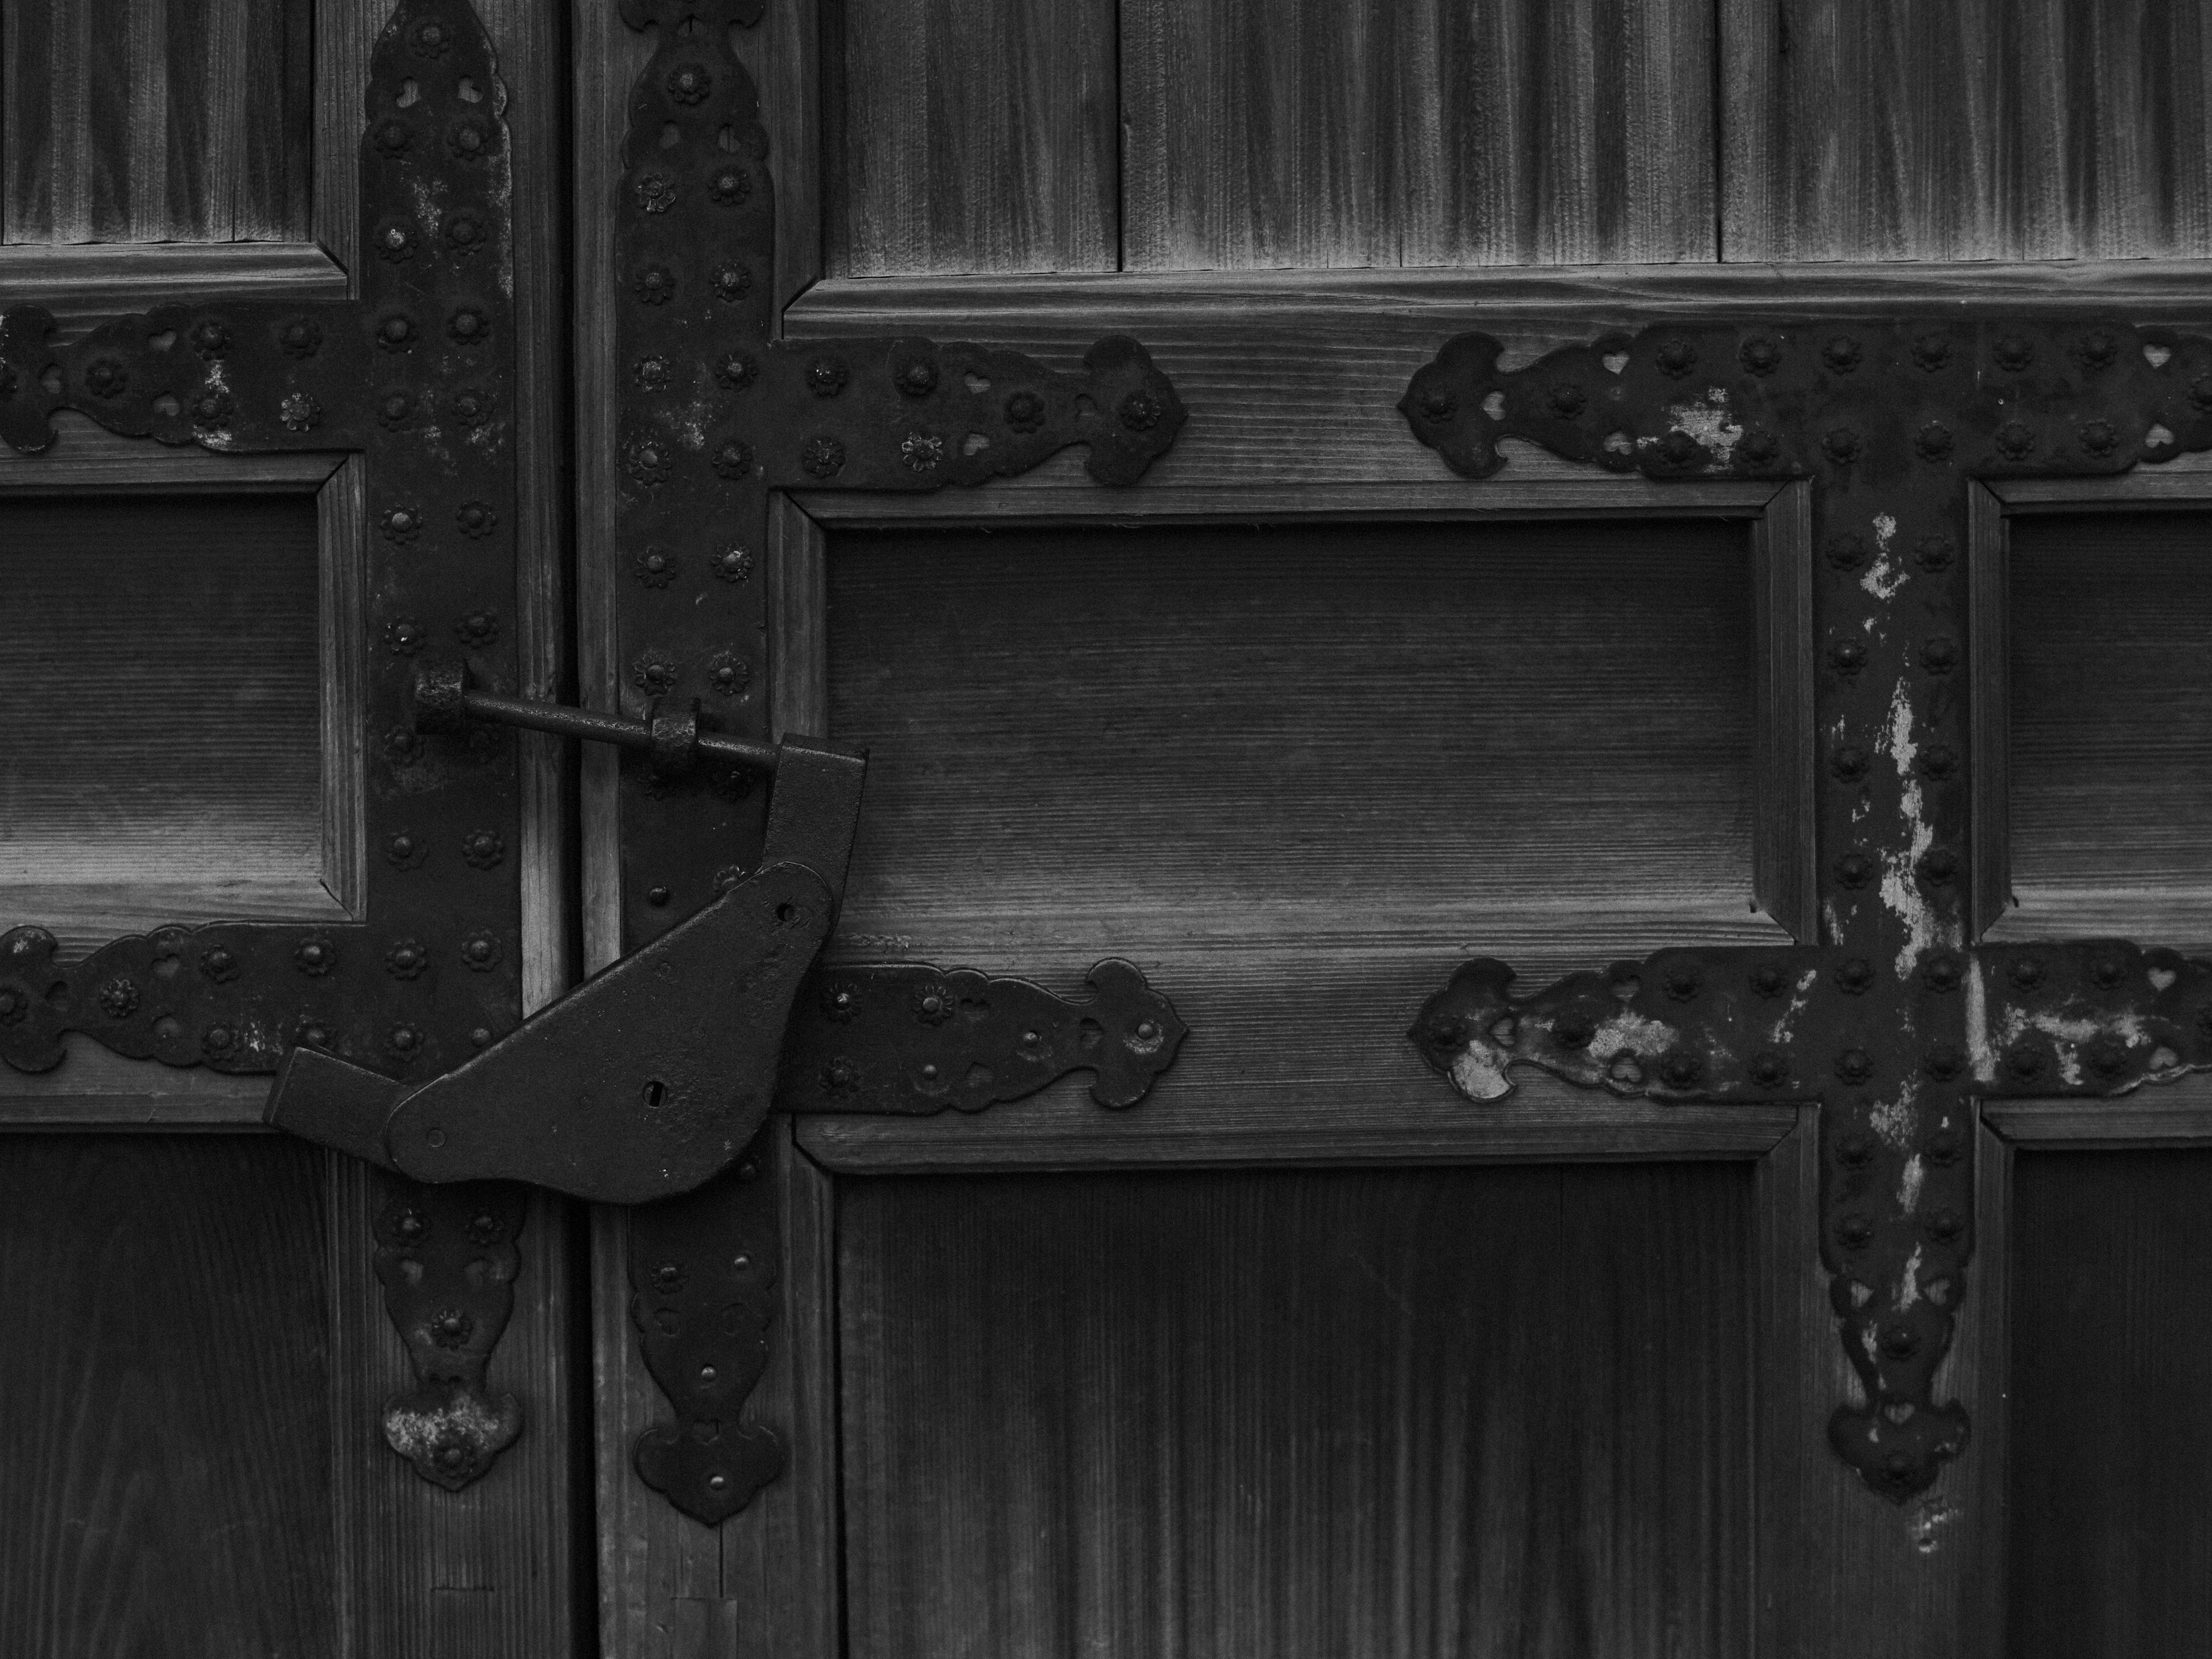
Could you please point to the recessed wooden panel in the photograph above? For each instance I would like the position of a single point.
(155, 120)
(2111, 750)
(162, 760)
(165, 1365)
(2110, 1496)
(1297, 775)
(1416, 132)
(975, 136)
(1972, 130)
(1283, 1416)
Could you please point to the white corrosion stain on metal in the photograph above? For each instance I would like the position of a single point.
(1883, 579)
(1908, 1282)
(1892, 1119)
(2069, 1033)
(1787, 1019)
(1630, 1033)
(1479, 1072)
(1710, 421)
(1900, 891)
(1908, 1188)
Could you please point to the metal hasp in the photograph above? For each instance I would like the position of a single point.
(1890, 1019)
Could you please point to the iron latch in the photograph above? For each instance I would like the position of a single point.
(652, 1075)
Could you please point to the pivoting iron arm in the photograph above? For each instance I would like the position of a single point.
(652, 1075)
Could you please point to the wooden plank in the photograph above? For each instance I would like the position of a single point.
(974, 136)
(155, 120)
(2109, 704)
(1468, 1411)
(83, 284)
(764, 1585)
(798, 620)
(1315, 133)
(2112, 1452)
(785, 53)
(1544, 1122)
(1295, 379)
(1984, 129)
(1835, 1560)
(2176, 1113)
(1784, 855)
(168, 1455)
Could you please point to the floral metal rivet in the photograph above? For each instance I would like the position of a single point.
(1842, 445)
(2097, 349)
(403, 1040)
(315, 958)
(220, 965)
(1855, 1066)
(395, 331)
(655, 672)
(1139, 411)
(733, 460)
(914, 376)
(302, 338)
(478, 628)
(403, 745)
(393, 411)
(464, 233)
(1937, 866)
(213, 408)
(118, 998)
(468, 325)
(394, 242)
(1943, 971)
(451, 1329)
(736, 370)
(1761, 355)
(1682, 982)
(826, 376)
(1938, 760)
(1931, 351)
(690, 83)
(404, 849)
(728, 674)
(476, 520)
(486, 1228)
(1676, 357)
(2098, 438)
(392, 136)
(730, 282)
(299, 413)
(401, 524)
(428, 39)
(652, 371)
(1853, 976)
(406, 959)
(730, 185)
(470, 406)
(106, 378)
(1025, 411)
(209, 338)
(1855, 869)
(656, 191)
(733, 563)
(821, 456)
(1759, 447)
(482, 848)
(921, 451)
(2015, 440)
(1934, 441)
(469, 137)
(480, 952)
(14, 1005)
(647, 460)
(656, 567)
(655, 285)
(1841, 353)
(1846, 551)
(1934, 552)
(1847, 656)
(1679, 449)
(404, 637)
(2015, 352)
(1940, 653)
(219, 1040)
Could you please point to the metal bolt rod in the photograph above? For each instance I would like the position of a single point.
(569, 721)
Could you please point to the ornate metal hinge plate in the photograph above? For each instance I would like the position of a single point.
(1889, 1020)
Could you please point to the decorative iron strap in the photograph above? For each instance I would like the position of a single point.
(417, 375)
(714, 414)
(1888, 1020)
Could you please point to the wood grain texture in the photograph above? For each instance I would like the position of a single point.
(973, 136)
(1294, 378)
(1784, 855)
(1319, 132)
(1983, 130)
(1297, 775)
(1837, 1566)
(88, 282)
(155, 120)
(2111, 1450)
(167, 1355)
(488, 1572)
(1440, 1412)
(763, 1585)
(2111, 739)
(2176, 1113)
(184, 768)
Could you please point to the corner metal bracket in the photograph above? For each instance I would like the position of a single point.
(1891, 1020)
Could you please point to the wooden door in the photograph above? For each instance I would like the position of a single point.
(1308, 1352)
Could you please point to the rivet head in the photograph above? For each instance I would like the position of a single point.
(655, 285)
(656, 567)
(735, 370)
(14, 1005)
(1680, 1069)
(2200, 392)
(1938, 760)
(1682, 982)
(839, 1077)
(1854, 975)
(933, 1005)
(1900, 1342)
(1025, 411)
(1931, 351)
(821, 456)
(655, 192)
(2015, 352)
(1768, 1067)
(657, 896)
(733, 563)
(219, 1040)
(1855, 1066)
(1678, 448)
(690, 83)
(1759, 447)
(395, 331)
(1855, 870)
(826, 376)
(1849, 761)
(465, 232)
(219, 964)
(718, 1483)
(1847, 656)
(482, 848)
(1937, 866)
(412, 1226)
(2097, 349)
(106, 378)
(2098, 438)
(1947, 1224)
(406, 959)
(1148, 1030)
(451, 1329)
(2105, 1056)
(403, 1040)
(1944, 1146)
(1437, 403)
(1675, 357)
(302, 336)
(392, 136)
(1934, 552)
(2023, 1060)
(314, 957)
(1855, 1148)
(1567, 400)
(2107, 971)
(1139, 411)
(1840, 353)
(1769, 979)
(734, 458)
(2026, 972)
(730, 282)
(1846, 551)
(916, 377)
(118, 998)
(468, 325)
(1761, 355)
(1572, 1032)
(1942, 1061)
(2015, 440)
(1842, 444)
(1933, 441)
(1855, 1231)
(1942, 971)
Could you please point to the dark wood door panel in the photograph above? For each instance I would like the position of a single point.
(2111, 1475)
(1460, 1411)
(165, 1366)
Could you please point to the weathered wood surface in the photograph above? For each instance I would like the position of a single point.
(973, 136)
(1979, 129)
(1315, 133)
(2111, 1447)
(1488, 1411)
(166, 1438)
(155, 120)
(2111, 725)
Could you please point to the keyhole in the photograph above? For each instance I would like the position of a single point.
(655, 1091)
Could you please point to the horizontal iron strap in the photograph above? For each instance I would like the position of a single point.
(570, 722)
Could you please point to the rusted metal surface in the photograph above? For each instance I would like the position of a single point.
(1891, 1020)
(448, 1260)
(702, 1273)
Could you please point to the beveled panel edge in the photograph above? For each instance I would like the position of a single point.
(2177, 1113)
(86, 458)
(82, 282)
